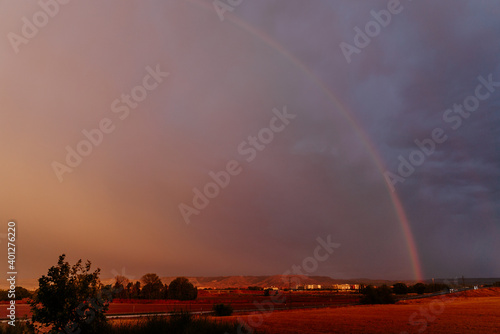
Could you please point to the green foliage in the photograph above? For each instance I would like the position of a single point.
(70, 298)
(222, 310)
(153, 286)
(419, 288)
(400, 289)
(380, 295)
(181, 289)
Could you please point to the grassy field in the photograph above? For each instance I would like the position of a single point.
(474, 311)
(468, 312)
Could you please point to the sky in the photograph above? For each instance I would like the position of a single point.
(212, 138)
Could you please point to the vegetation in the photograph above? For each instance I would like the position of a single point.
(69, 298)
(222, 310)
(20, 328)
(419, 288)
(181, 289)
(181, 323)
(437, 287)
(153, 287)
(400, 289)
(20, 293)
(380, 295)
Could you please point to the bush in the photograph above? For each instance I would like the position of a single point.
(20, 293)
(181, 289)
(381, 295)
(19, 328)
(400, 289)
(70, 299)
(436, 287)
(222, 310)
(182, 322)
(419, 288)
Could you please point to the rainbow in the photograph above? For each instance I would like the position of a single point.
(373, 152)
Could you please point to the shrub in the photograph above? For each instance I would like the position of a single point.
(181, 289)
(70, 298)
(381, 295)
(182, 322)
(222, 310)
(400, 289)
(419, 288)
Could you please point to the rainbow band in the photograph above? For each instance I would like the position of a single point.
(373, 152)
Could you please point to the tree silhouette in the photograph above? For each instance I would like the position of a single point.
(70, 299)
(181, 289)
(419, 288)
(120, 287)
(400, 289)
(153, 286)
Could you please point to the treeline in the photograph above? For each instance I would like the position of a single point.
(150, 286)
(418, 288)
(19, 293)
(385, 294)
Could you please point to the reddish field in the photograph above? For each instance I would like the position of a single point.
(239, 300)
(467, 312)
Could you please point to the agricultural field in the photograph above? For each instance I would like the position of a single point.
(474, 311)
(240, 300)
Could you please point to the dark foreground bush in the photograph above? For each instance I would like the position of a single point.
(19, 328)
(380, 295)
(222, 310)
(182, 323)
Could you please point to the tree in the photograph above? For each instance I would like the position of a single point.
(136, 290)
(120, 286)
(153, 286)
(164, 292)
(419, 288)
(400, 289)
(70, 299)
(380, 295)
(222, 310)
(19, 293)
(181, 289)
